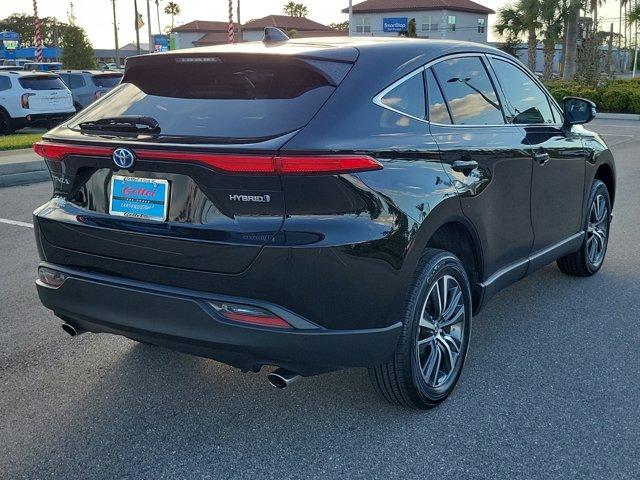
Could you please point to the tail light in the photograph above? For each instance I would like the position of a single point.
(24, 99)
(249, 314)
(234, 164)
(51, 278)
(98, 94)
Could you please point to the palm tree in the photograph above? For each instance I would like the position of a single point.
(633, 18)
(518, 19)
(158, 13)
(294, 9)
(552, 16)
(172, 9)
(571, 38)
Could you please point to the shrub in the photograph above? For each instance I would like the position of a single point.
(614, 96)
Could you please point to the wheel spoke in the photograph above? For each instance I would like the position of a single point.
(430, 364)
(456, 318)
(453, 303)
(449, 353)
(452, 342)
(424, 341)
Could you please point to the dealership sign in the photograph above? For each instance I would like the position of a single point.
(396, 24)
(9, 40)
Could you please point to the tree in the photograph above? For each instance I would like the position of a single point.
(341, 27)
(172, 9)
(52, 29)
(552, 15)
(521, 18)
(294, 9)
(571, 38)
(77, 52)
(412, 31)
(158, 13)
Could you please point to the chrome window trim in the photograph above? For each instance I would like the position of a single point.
(378, 97)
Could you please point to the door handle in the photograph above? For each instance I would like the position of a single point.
(464, 166)
(541, 157)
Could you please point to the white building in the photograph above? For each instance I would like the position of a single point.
(450, 19)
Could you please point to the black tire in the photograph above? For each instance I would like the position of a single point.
(401, 380)
(580, 263)
(6, 126)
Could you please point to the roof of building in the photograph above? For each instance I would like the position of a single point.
(203, 26)
(285, 22)
(375, 6)
(212, 38)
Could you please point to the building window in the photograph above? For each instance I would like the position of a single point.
(481, 25)
(451, 21)
(363, 25)
(426, 23)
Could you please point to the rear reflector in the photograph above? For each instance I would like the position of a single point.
(230, 163)
(51, 278)
(249, 314)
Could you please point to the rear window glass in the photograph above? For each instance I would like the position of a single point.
(42, 83)
(73, 81)
(407, 97)
(468, 91)
(230, 99)
(106, 81)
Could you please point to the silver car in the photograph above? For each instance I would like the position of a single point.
(89, 85)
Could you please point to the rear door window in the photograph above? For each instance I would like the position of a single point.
(106, 81)
(407, 97)
(219, 98)
(469, 93)
(5, 83)
(525, 101)
(76, 81)
(42, 82)
(438, 111)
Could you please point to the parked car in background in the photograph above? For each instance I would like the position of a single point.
(16, 62)
(89, 85)
(32, 99)
(9, 68)
(42, 66)
(320, 204)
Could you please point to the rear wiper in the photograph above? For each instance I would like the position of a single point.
(128, 124)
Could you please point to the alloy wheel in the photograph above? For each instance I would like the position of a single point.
(440, 332)
(597, 231)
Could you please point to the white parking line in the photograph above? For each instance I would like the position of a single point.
(16, 223)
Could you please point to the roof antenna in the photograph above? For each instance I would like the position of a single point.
(274, 35)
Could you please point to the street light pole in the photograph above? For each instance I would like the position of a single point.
(151, 47)
(115, 33)
(350, 16)
(135, 7)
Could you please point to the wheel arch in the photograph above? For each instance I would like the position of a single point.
(606, 175)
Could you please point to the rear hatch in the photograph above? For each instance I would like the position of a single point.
(46, 93)
(204, 131)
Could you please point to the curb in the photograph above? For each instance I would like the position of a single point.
(21, 173)
(617, 116)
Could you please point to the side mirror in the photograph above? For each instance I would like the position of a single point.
(578, 110)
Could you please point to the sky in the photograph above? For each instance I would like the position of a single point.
(95, 16)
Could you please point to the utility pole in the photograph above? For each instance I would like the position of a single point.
(350, 16)
(239, 23)
(39, 57)
(151, 46)
(135, 7)
(115, 33)
(231, 29)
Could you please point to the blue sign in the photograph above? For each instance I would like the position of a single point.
(9, 40)
(397, 24)
(160, 43)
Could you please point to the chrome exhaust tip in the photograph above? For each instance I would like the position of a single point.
(71, 330)
(282, 378)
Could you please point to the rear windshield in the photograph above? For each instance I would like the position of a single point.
(219, 99)
(106, 81)
(43, 82)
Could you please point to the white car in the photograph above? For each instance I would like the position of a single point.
(31, 99)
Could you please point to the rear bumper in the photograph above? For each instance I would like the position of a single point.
(41, 118)
(183, 320)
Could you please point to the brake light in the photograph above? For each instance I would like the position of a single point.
(249, 314)
(98, 94)
(283, 165)
(230, 163)
(24, 99)
(58, 151)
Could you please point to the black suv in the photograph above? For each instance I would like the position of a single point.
(318, 204)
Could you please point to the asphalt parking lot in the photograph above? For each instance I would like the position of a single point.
(551, 388)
